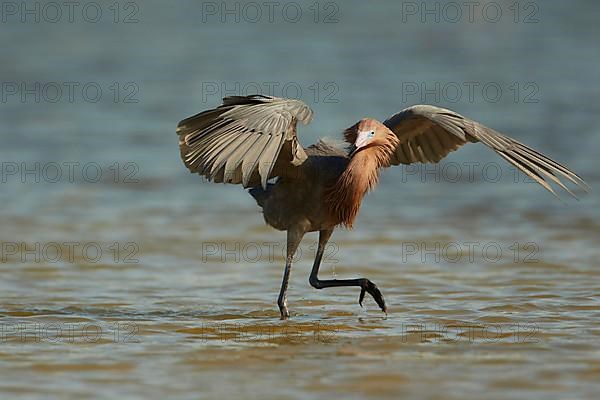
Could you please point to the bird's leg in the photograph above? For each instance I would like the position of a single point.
(365, 284)
(294, 237)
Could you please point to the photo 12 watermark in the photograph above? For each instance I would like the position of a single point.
(71, 252)
(23, 332)
(454, 12)
(69, 12)
(222, 332)
(259, 252)
(469, 333)
(254, 12)
(317, 92)
(470, 92)
(465, 172)
(469, 252)
(69, 172)
(68, 92)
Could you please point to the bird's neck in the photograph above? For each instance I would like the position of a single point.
(360, 176)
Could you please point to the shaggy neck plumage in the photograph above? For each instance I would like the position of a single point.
(360, 176)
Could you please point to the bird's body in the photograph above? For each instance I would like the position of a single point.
(299, 200)
(251, 140)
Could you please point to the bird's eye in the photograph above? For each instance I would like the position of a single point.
(371, 134)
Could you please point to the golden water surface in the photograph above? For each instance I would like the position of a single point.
(191, 311)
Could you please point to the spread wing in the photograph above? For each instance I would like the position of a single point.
(247, 140)
(427, 134)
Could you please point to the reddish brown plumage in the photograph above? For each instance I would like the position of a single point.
(362, 173)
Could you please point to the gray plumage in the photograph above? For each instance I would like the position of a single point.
(242, 140)
(427, 134)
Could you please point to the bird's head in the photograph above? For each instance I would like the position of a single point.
(369, 132)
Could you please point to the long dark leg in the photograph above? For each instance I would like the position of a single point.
(365, 284)
(294, 237)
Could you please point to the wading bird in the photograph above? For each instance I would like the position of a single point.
(249, 140)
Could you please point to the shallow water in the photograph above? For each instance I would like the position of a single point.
(148, 282)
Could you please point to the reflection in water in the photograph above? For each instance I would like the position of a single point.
(159, 285)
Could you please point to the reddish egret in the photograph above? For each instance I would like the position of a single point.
(249, 140)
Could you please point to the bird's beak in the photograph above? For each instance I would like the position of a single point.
(362, 139)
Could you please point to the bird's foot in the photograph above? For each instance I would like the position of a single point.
(285, 314)
(368, 286)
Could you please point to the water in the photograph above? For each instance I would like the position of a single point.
(144, 281)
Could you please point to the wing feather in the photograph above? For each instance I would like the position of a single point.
(428, 155)
(232, 166)
(428, 134)
(251, 158)
(244, 138)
